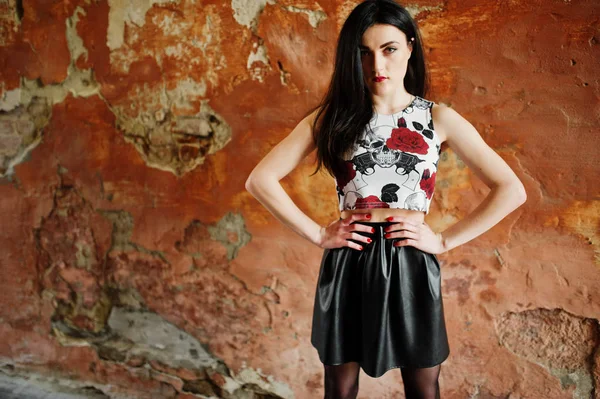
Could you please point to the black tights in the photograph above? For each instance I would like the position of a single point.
(341, 382)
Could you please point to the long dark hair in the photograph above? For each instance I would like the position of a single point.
(347, 106)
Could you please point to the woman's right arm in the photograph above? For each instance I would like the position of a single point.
(263, 182)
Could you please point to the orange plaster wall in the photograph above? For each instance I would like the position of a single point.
(126, 136)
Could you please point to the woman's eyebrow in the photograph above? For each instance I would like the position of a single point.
(361, 46)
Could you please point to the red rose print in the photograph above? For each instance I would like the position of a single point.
(406, 140)
(372, 201)
(346, 174)
(427, 183)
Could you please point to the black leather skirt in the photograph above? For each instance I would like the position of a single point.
(381, 307)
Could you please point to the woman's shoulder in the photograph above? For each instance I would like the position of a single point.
(422, 102)
(446, 119)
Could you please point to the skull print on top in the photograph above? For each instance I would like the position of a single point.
(393, 164)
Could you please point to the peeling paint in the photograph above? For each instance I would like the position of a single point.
(10, 98)
(179, 97)
(79, 83)
(247, 12)
(126, 12)
(74, 42)
(315, 17)
(416, 10)
(258, 56)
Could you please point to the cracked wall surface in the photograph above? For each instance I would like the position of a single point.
(135, 264)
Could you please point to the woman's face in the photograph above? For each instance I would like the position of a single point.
(384, 54)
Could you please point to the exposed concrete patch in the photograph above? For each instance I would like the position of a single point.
(26, 385)
(172, 143)
(247, 12)
(10, 99)
(170, 350)
(126, 12)
(315, 17)
(142, 339)
(562, 343)
(231, 232)
(271, 389)
(154, 338)
(20, 132)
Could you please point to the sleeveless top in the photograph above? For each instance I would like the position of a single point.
(393, 164)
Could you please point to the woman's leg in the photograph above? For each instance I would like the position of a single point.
(421, 383)
(341, 381)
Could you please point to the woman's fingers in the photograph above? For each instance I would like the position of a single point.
(359, 216)
(354, 245)
(403, 234)
(402, 226)
(408, 241)
(361, 238)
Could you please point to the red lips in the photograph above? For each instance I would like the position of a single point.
(379, 79)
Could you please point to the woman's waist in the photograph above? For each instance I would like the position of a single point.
(379, 215)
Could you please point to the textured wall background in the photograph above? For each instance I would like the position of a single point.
(133, 260)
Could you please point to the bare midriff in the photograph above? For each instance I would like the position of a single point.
(381, 214)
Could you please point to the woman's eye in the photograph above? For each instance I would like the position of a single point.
(390, 49)
(363, 53)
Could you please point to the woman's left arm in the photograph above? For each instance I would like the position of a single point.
(507, 192)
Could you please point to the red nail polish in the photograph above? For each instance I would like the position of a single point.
(369, 240)
(361, 248)
(389, 219)
(372, 230)
(368, 216)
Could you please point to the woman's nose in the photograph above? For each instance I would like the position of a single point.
(378, 63)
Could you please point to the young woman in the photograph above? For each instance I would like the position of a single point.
(378, 303)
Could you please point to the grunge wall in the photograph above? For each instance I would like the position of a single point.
(133, 261)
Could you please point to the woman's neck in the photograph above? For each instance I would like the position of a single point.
(393, 103)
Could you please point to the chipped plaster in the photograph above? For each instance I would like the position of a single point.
(126, 12)
(259, 55)
(10, 98)
(173, 143)
(247, 12)
(315, 17)
(414, 10)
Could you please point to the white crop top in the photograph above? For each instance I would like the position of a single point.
(394, 162)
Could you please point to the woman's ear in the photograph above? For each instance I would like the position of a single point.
(409, 45)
